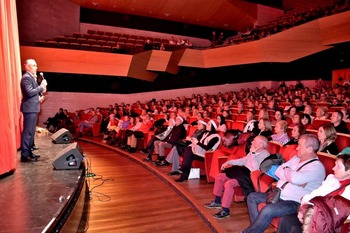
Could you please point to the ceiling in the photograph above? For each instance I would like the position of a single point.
(235, 15)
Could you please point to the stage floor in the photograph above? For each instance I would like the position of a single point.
(34, 196)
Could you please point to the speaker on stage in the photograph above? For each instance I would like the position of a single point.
(69, 158)
(62, 136)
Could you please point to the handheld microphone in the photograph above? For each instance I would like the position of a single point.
(40, 78)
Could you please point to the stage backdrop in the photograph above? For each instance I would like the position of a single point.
(10, 93)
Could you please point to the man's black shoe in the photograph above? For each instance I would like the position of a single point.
(163, 163)
(33, 156)
(144, 151)
(27, 160)
(132, 150)
(148, 159)
(174, 173)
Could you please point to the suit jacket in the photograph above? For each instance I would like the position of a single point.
(30, 94)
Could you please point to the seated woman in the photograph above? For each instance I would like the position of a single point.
(173, 156)
(327, 135)
(338, 182)
(281, 135)
(209, 141)
(296, 120)
(306, 120)
(278, 116)
(145, 127)
(229, 142)
(297, 131)
(222, 124)
(265, 129)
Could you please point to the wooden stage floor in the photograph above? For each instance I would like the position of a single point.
(126, 194)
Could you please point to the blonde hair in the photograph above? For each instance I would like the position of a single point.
(267, 124)
(330, 132)
(283, 124)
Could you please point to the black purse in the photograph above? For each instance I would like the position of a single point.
(273, 195)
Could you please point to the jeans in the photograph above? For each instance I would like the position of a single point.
(260, 221)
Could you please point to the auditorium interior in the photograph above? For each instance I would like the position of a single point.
(198, 61)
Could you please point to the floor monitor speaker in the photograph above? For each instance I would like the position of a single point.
(62, 136)
(69, 158)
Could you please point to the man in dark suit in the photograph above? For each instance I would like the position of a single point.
(30, 107)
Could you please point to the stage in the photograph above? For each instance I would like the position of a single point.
(37, 198)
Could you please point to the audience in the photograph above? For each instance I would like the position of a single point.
(233, 176)
(334, 185)
(297, 177)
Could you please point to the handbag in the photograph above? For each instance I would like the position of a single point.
(273, 195)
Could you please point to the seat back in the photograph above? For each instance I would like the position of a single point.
(273, 147)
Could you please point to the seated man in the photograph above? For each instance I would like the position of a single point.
(177, 132)
(224, 185)
(297, 177)
(334, 185)
(88, 123)
(338, 123)
(56, 120)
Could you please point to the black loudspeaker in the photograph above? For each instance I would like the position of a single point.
(62, 136)
(69, 158)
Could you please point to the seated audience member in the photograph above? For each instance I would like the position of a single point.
(308, 110)
(223, 186)
(334, 185)
(345, 112)
(297, 131)
(296, 120)
(159, 136)
(306, 120)
(222, 124)
(338, 123)
(173, 156)
(88, 123)
(118, 136)
(56, 120)
(67, 122)
(335, 103)
(281, 135)
(265, 128)
(278, 116)
(321, 113)
(111, 128)
(209, 141)
(263, 113)
(178, 132)
(291, 112)
(199, 116)
(252, 124)
(327, 136)
(148, 45)
(226, 114)
(298, 104)
(130, 131)
(229, 141)
(297, 177)
(145, 127)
